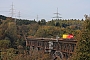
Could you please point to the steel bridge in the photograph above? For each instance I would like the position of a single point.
(50, 45)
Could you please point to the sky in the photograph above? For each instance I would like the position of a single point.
(45, 9)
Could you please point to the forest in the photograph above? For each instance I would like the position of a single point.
(13, 32)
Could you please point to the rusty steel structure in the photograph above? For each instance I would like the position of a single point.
(50, 45)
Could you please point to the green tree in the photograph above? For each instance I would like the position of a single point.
(8, 31)
(83, 45)
(32, 29)
(4, 44)
(48, 31)
(51, 23)
(42, 22)
(9, 54)
(11, 33)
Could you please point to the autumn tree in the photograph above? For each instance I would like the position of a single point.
(4, 44)
(83, 45)
(50, 23)
(32, 29)
(48, 31)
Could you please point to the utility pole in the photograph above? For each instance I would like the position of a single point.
(57, 15)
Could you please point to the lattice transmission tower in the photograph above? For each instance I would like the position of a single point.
(12, 10)
(57, 15)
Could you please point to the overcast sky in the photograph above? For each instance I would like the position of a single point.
(29, 9)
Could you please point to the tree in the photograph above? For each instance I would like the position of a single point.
(4, 44)
(32, 29)
(8, 31)
(9, 54)
(83, 45)
(42, 22)
(3, 17)
(11, 32)
(48, 31)
(51, 23)
(57, 24)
